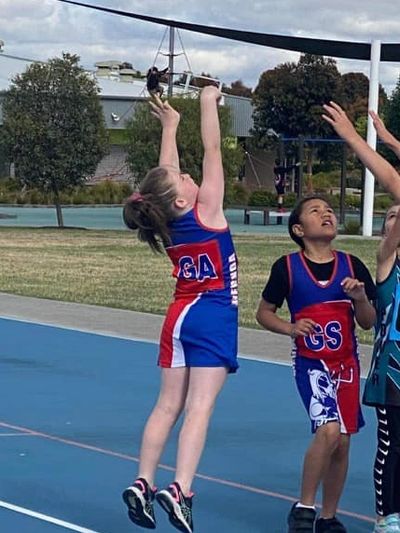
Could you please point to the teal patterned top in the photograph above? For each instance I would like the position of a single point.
(383, 383)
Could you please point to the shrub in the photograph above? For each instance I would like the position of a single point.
(108, 192)
(34, 196)
(81, 196)
(236, 194)
(383, 202)
(351, 200)
(351, 227)
(262, 197)
(290, 199)
(101, 193)
(326, 180)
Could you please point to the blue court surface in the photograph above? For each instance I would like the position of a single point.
(73, 406)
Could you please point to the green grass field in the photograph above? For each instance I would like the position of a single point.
(111, 268)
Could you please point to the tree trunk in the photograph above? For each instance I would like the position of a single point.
(310, 185)
(60, 220)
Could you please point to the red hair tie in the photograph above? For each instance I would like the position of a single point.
(136, 197)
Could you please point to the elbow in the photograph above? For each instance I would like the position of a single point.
(260, 317)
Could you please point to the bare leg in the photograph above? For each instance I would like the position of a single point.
(204, 387)
(174, 386)
(317, 460)
(335, 477)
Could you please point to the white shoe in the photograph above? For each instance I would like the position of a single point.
(389, 524)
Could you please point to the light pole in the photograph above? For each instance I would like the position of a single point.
(373, 100)
(171, 60)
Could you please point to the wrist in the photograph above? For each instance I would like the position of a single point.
(209, 95)
(353, 138)
(362, 300)
(292, 331)
(170, 127)
(392, 143)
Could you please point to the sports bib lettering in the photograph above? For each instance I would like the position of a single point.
(329, 337)
(197, 267)
(200, 270)
(333, 332)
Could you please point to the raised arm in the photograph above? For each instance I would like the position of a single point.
(169, 119)
(380, 168)
(387, 250)
(385, 135)
(211, 193)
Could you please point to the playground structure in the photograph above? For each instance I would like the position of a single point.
(296, 182)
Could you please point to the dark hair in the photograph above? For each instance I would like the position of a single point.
(295, 215)
(150, 210)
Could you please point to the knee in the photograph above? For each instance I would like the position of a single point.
(342, 449)
(330, 435)
(170, 409)
(198, 409)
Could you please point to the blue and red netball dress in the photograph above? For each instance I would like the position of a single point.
(201, 325)
(326, 363)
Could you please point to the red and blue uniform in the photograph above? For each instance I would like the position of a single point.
(201, 325)
(326, 362)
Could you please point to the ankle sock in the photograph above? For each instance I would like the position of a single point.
(298, 504)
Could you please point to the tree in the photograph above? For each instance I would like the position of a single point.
(355, 96)
(54, 127)
(144, 134)
(273, 102)
(392, 112)
(289, 99)
(237, 88)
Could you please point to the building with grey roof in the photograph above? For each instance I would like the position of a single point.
(122, 89)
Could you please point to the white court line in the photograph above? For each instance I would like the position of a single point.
(101, 333)
(45, 518)
(104, 333)
(17, 435)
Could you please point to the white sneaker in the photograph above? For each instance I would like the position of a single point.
(389, 524)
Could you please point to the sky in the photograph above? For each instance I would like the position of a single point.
(41, 29)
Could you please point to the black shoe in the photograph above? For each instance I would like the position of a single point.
(178, 507)
(301, 520)
(329, 525)
(139, 499)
